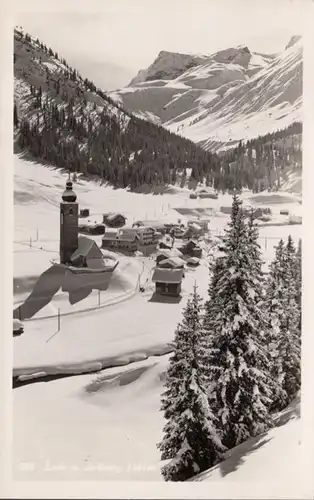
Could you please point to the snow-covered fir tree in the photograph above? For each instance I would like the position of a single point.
(190, 439)
(299, 282)
(283, 312)
(237, 362)
(291, 351)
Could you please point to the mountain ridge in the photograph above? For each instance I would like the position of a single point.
(197, 101)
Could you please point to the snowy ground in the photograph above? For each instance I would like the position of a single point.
(127, 324)
(105, 425)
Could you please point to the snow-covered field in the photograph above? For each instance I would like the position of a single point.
(106, 425)
(128, 325)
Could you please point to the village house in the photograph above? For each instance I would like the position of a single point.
(110, 239)
(191, 248)
(156, 225)
(202, 223)
(127, 240)
(167, 254)
(130, 238)
(146, 234)
(115, 220)
(168, 281)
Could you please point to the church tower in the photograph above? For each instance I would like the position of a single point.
(68, 224)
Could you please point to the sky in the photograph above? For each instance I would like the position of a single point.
(109, 41)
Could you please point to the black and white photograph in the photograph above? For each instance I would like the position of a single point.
(157, 243)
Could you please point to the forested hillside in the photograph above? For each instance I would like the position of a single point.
(63, 119)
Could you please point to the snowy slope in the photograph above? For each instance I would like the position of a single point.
(95, 423)
(231, 95)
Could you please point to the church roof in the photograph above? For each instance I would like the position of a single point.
(86, 247)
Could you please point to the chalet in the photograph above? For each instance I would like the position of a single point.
(168, 281)
(167, 254)
(146, 234)
(172, 263)
(110, 238)
(114, 220)
(202, 223)
(127, 240)
(191, 248)
(156, 225)
(87, 254)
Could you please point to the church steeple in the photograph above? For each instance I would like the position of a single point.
(68, 223)
(69, 195)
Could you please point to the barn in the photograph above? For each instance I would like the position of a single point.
(168, 281)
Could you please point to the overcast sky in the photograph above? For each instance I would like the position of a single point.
(109, 41)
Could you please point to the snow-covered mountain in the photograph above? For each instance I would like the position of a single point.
(219, 99)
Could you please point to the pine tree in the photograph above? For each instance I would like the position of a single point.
(190, 439)
(298, 273)
(282, 308)
(238, 364)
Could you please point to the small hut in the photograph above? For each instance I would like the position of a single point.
(84, 212)
(193, 262)
(213, 196)
(168, 281)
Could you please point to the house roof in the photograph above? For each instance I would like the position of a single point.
(193, 260)
(170, 252)
(174, 261)
(110, 235)
(85, 245)
(167, 275)
(113, 215)
(129, 234)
